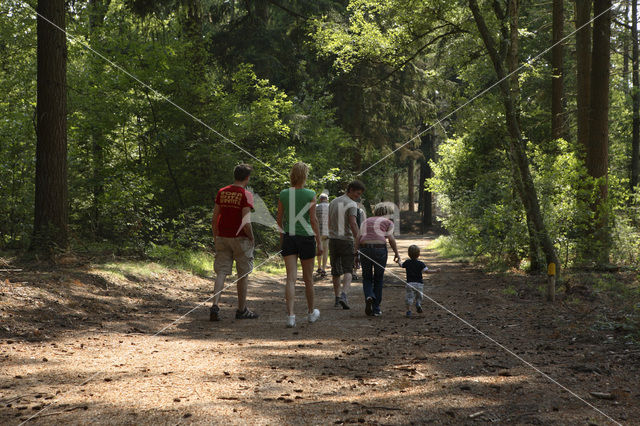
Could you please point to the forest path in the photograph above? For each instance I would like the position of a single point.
(347, 368)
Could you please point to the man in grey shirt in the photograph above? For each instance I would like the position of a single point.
(342, 231)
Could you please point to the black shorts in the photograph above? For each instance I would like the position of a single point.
(341, 256)
(301, 245)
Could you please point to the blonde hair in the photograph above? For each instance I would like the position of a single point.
(381, 210)
(299, 172)
(414, 252)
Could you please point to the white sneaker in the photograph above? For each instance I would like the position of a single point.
(291, 321)
(313, 316)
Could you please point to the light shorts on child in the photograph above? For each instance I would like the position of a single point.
(414, 293)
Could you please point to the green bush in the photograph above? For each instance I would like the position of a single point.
(477, 200)
(483, 213)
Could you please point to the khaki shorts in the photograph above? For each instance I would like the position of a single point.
(229, 249)
(341, 256)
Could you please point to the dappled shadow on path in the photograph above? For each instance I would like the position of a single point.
(346, 368)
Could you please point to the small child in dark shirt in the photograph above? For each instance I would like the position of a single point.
(415, 285)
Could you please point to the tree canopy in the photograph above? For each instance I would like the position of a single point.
(166, 97)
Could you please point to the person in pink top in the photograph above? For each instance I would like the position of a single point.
(372, 248)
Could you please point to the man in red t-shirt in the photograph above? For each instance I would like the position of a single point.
(233, 236)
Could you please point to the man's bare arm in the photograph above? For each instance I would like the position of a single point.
(214, 221)
(246, 217)
(354, 227)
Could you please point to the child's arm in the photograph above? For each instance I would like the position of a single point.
(426, 270)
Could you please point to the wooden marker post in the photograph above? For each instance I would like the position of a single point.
(551, 283)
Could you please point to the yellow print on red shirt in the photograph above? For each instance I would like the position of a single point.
(231, 198)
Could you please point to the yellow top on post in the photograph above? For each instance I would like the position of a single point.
(551, 269)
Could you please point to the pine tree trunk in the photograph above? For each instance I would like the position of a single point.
(396, 189)
(625, 49)
(97, 12)
(51, 194)
(583, 69)
(635, 139)
(517, 153)
(557, 80)
(597, 157)
(427, 197)
(421, 179)
(410, 186)
(357, 157)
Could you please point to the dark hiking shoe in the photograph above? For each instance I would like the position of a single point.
(246, 314)
(343, 301)
(377, 313)
(214, 313)
(419, 309)
(337, 304)
(368, 308)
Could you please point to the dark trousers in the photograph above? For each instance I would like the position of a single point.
(373, 261)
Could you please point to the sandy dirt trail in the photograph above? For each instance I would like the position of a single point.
(347, 368)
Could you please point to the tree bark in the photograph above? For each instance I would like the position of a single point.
(597, 155)
(583, 69)
(396, 189)
(410, 184)
(421, 179)
(557, 80)
(625, 49)
(192, 21)
(635, 139)
(427, 197)
(51, 193)
(516, 148)
(97, 12)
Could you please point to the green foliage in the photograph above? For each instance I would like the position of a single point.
(477, 200)
(626, 231)
(17, 115)
(197, 262)
(451, 248)
(339, 91)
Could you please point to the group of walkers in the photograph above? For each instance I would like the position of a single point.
(310, 228)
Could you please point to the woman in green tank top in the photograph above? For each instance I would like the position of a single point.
(299, 237)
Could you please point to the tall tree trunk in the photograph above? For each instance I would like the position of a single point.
(597, 158)
(635, 140)
(410, 184)
(97, 13)
(517, 153)
(625, 49)
(262, 10)
(421, 179)
(557, 80)
(192, 21)
(427, 198)
(51, 194)
(536, 263)
(583, 68)
(357, 156)
(396, 189)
